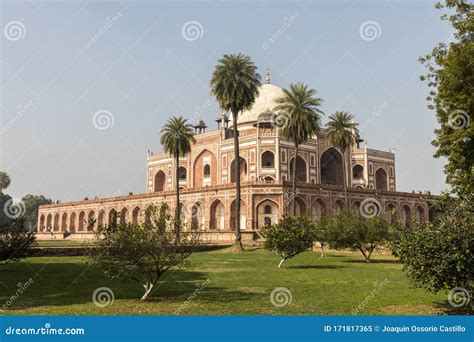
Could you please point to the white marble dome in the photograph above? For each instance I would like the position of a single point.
(266, 100)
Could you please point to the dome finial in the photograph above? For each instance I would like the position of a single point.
(267, 77)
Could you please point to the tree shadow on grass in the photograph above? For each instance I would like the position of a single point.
(315, 267)
(63, 284)
(372, 261)
(447, 309)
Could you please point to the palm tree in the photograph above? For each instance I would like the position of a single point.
(299, 107)
(234, 84)
(342, 132)
(4, 181)
(176, 138)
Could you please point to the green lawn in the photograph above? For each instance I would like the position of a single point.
(240, 283)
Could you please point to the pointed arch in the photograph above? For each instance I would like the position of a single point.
(90, 221)
(301, 174)
(300, 206)
(124, 215)
(205, 169)
(381, 182)
(267, 213)
(331, 167)
(183, 174)
(217, 216)
(72, 222)
(160, 181)
(197, 216)
(419, 213)
(82, 216)
(56, 222)
(113, 217)
(391, 212)
(268, 160)
(42, 225)
(49, 221)
(355, 207)
(64, 222)
(357, 172)
(243, 170)
(243, 215)
(318, 209)
(100, 218)
(405, 216)
(338, 207)
(135, 215)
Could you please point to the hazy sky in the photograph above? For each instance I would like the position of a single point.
(143, 61)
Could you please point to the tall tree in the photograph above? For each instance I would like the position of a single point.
(32, 203)
(234, 84)
(342, 132)
(450, 77)
(4, 181)
(176, 138)
(299, 108)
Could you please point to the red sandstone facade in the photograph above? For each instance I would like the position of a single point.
(207, 182)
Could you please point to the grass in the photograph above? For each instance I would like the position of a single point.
(240, 283)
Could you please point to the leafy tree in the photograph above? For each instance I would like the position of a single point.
(5, 220)
(234, 84)
(439, 255)
(450, 77)
(4, 181)
(292, 236)
(16, 242)
(355, 232)
(32, 203)
(142, 253)
(176, 138)
(342, 132)
(300, 107)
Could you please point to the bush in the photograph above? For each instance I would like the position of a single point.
(293, 235)
(15, 244)
(142, 253)
(440, 255)
(352, 231)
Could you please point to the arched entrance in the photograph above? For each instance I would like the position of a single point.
(318, 209)
(300, 207)
(124, 215)
(267, 214)
(331, 167)
(243, 215)
(91, 221)
(72, 223)
(113, 216)
(243, 170)
(268, 160)
(160, 181)
(217, 216)
(64, 222)
(82, 217)
(197, 216)
(405, 216)
(420, 214)
(301, 175)
(381, 182)
(135, 213)
(205, 169)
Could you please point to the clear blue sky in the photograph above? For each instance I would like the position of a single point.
(142, 70)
